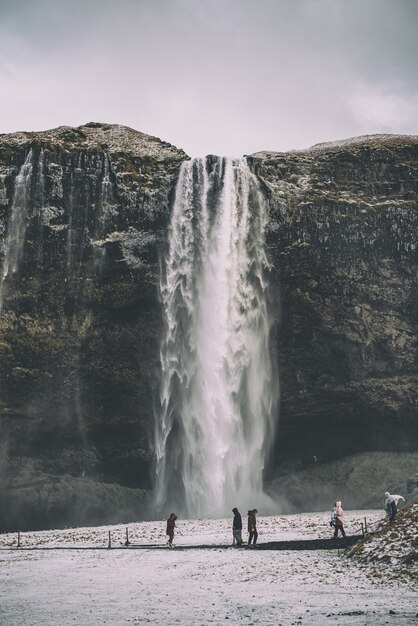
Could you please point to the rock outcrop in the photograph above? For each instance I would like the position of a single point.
(83, 220)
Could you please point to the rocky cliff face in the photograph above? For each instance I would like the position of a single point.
(82, 215)
(83, 218)
(343, 239)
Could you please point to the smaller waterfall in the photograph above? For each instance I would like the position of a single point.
(76, 218)
(219, 391)
(40, 180)
(107, 200)
(17, 224)
(39, 202)
(106, 210)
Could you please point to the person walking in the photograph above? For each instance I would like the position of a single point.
(171, 523)
(236, 528)
(337, 519)
(252, 527)
(391, 505)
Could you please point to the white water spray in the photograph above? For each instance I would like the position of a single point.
(218, 392)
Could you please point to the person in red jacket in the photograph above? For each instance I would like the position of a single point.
(252, 526)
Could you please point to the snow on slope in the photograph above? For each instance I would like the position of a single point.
(395, 545)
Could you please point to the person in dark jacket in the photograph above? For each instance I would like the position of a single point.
(171, 523)
(237, 527)
(252, 527)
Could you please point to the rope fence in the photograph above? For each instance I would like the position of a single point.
(364, 528)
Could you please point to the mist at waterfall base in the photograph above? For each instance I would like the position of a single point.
(219, 387)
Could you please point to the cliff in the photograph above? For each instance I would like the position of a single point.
(83, 220)
(82, 212)
(343, 240)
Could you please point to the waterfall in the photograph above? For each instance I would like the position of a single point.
(106, 212)
(16, 229)
(218, 390)
(107, 202)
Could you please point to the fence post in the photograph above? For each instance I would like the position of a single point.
(18, 538)
(127, 542)
(110, 542)
(365, 525)
(362, 528)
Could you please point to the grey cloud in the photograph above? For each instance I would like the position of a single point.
(220, 76)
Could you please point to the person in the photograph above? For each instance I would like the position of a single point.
(391, 505)
(252, 527)
(171, 522)
(337, 519)
(236, 527)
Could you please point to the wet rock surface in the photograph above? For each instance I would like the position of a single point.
(343, 242)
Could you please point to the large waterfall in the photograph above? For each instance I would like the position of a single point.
(219, 389)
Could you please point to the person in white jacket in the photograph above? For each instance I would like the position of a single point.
(337, 519)
(391, 505)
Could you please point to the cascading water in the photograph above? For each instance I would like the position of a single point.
(107, 199)
(219, 389)
(106, 212)
(18, 220)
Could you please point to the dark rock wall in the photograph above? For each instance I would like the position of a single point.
(81, 321)
(343, 240)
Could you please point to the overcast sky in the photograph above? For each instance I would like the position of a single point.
(212, 76)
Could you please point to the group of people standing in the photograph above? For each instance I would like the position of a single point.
(237, 527)
(336, 521)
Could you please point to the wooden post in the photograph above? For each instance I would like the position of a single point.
(362, 528)
(110, 542)
(18, 538)
(127, 542)
(365, 525)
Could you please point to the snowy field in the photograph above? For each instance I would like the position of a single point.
(61, 583)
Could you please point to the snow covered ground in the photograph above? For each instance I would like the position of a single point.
(68, 584)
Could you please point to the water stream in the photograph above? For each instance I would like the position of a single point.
(219, 390)
(16, 229)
